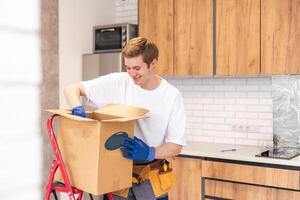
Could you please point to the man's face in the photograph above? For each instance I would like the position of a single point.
(138, 70)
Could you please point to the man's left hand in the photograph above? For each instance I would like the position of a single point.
(137, 150)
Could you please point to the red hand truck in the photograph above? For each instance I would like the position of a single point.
(58, 162)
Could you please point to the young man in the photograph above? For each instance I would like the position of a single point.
(162, 134)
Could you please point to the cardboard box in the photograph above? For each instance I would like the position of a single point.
(90, 165)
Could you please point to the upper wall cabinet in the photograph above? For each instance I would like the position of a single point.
(233, 37)
(182, 33)
(237, 37)
(280, 37)
(193, 53)
(156, 24)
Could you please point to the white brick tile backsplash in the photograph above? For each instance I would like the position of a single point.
(235, 121)
(192, 81)
(204, 100)
(235, 81)
(266, 129)
(224, 114)
(265, 115)
(204, 126)
(236, 94)
(204, 113)
(247, 88)
(260, 136)
(222, 127)
(260, 94)
(258, 108)
(246, 115)
(248, 101)
(225, 88)
(212, 133)
(213, 107)
(225, 101)
(224, 140)
(214, 120)
(236, 134)
(213, 94)
(202, 88)
(193, 107)
(212, 81)
(203, 139)
(259, 81)
(253, 142)
(265, 101)
(233, 110)
(259, 122)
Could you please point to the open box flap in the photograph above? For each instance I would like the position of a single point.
(123, 111)
(125, 119)
(67, 113)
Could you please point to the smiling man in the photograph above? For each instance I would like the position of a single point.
(162, 134)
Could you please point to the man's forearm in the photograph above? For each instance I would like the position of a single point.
(73, 93)
(167, 150)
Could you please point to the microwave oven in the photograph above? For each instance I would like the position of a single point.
(110, 38)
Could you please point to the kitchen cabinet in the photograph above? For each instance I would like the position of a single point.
(223, 38)
(205, 178)
(237, 37)
(193, 53)
(188, 174)
(229, 190)
(280, 37)
(264, 176)
(156, 24)
(182, 34)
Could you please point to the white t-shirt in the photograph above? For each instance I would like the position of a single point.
(165, 103)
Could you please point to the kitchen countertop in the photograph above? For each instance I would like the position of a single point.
(242, 153)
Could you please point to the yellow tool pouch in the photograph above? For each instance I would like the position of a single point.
(162, 177)
(160, 174)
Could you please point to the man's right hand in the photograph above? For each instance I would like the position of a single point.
(79, 111)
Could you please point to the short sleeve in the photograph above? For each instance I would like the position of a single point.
(176, 125)
(105, 89)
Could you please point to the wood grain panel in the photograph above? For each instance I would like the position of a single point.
(280, 26)
(156, 24)
(247, 192)
(193, 37)
(188, 174)
(251, 174)
(238, 37)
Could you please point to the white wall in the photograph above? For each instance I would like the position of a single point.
(76, 21)
(20, 140)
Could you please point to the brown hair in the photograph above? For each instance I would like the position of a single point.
(141, 46)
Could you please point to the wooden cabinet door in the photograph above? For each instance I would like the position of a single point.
(237, 37)
(281, 178)
(188, 174)
(280, 29)
(193, 41)
(156, 24)
(229, 190)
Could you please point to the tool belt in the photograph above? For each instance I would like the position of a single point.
(156, 178)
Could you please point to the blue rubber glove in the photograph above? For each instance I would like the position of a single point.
(137, 150)
(79, 111)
